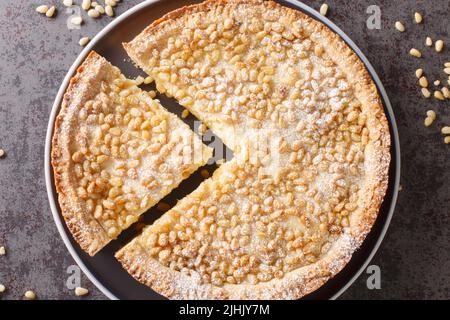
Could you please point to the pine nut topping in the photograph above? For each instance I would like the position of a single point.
(30, 295)
(42, 9)
(426, 93)
(447, 64)
(2, 251)
(2, 288)
(86, 5)
(447, 71)
(415, 53)
(418, 17)
(429, 42)
(445, 130)
(399, 26)
(439, 45)
(2, 153)
(447, 140)
(423, 82)
(79, 291)
(324, 9)
(84, 41)
(419, 73)
(68, 3)
(50, 12)
(185, 114)
(437, 82)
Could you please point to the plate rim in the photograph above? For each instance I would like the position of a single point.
(52, 196)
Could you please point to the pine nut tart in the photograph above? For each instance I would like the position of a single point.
(115, 153)
(266, 225)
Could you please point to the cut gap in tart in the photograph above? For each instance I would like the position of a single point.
(116, 152)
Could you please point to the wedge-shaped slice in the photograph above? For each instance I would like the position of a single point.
(116, 152)
(241, 235)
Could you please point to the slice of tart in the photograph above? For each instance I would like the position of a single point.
(267, 225)
(116, 152)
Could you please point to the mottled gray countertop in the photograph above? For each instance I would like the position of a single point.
(36, 52)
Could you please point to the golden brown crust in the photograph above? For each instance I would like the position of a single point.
(306, 279)
(87, 231)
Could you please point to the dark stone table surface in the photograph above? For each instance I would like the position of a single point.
(36, 52)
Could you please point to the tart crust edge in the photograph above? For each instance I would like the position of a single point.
(87, 231)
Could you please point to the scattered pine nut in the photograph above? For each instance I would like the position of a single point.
(162, 206)
(415, 53)
(50, 12)
(446, 92)
(445, 130)
(86, 5)
(204, 173)
(93, 13)
(439, 45)
(111, 3)
(84, 41)
(30, 295)
(109, 11)
(447, 64)
(429, 42)
(419, 73)
(324, 9)
(2, 251)
(426, 93)
(436, 83)
(428, 121)
(431, 116)
(42, 9)
(68, 3)
(418, 17)
(185, 113)
(399, 26)
(78, 20)
(99, 9)
(94, 4)
(438, 95)
(81, 291)
(2, 153)
(447, 71)
(423, 82)
(447, 140)
(2, 288)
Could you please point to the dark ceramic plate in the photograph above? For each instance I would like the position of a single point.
(103, 269)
